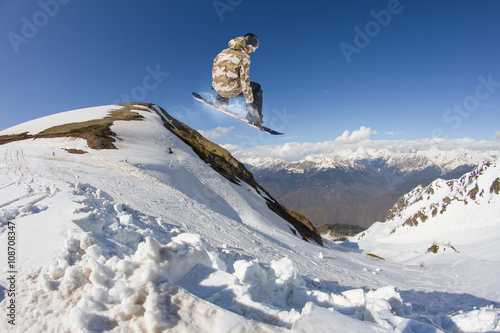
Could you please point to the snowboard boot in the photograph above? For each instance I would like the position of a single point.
(221, 102)
(253, 116)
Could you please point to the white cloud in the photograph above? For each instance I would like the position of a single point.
(216, 132)
(497, 135)
(349, 142)
(356, 136)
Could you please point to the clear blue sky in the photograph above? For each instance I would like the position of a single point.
(405, 69)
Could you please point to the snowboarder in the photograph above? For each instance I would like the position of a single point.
(230, 77)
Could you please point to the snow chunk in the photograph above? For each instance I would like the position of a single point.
(249, 272)
(483, 320)
(148, 251)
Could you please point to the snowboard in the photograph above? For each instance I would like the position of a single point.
(264, 129)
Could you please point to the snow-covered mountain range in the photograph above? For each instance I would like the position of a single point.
(122, 219)
(357, 187)
(405, 162)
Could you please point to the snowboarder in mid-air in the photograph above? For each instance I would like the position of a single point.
(230, 77)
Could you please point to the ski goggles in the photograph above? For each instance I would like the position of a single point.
(252, 48)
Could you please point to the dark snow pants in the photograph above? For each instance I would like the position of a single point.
(257, 99)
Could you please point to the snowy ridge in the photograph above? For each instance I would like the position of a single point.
(442, 160)
(456, 221)
(406, 162)
(148, 237)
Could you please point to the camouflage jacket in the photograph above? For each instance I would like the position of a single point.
(230, 73)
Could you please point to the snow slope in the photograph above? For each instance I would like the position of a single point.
(148, 237)
(449, 225)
